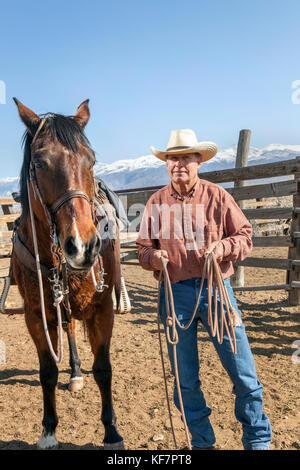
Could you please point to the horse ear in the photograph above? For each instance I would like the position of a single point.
(82, 115)
(30, 119)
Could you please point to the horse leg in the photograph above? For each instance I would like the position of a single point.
(100, 329)
(48, 378)
(76, 381)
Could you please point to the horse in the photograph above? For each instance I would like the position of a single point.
(62, 262)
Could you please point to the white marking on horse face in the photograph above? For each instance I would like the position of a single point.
(78, 259)
(47, 441)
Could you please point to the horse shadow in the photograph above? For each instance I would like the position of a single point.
(9, 377)
(23, 445)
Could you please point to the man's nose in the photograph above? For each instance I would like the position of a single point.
(178, 163)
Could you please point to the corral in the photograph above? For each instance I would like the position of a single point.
(270, 313)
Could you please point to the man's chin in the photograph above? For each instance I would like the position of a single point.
(182, 176)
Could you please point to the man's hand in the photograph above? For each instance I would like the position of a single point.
(218, 249)
(156, 260)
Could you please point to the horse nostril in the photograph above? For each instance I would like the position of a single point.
(70, 246)
(94, 244)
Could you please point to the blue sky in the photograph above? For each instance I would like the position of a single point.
(150, 66)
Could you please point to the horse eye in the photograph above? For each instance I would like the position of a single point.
(106, 228)
(41, 165)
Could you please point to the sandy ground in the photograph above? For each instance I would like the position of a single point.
(138, 390)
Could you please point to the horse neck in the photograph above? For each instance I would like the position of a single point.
(43, 238)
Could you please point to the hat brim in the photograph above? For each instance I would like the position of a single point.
(207, 150)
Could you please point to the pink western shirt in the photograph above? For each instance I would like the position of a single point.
(185, 226)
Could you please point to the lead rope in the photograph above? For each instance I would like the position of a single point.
(214, 281)
(163, 362)
(58, 299)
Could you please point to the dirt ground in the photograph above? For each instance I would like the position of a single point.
(138, 389)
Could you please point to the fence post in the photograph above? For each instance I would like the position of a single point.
(8, 209)
(237, 279)
(294, 252)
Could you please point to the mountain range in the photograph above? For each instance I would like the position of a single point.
(148, 170)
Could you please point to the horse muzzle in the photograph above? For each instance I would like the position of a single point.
(80, 255)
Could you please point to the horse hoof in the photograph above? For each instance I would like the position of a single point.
(75, 384)
(114, 445)
(47, 441)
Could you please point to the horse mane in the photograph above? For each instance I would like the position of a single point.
(64, 129)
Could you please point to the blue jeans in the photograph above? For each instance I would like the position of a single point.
(240, 367)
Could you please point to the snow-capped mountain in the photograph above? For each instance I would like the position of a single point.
(150, 171)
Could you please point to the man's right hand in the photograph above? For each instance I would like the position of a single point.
(156, 260)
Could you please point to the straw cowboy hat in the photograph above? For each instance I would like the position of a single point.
(184, 141)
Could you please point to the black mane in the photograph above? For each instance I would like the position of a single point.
(64, 129)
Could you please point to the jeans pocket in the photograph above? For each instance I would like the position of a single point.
(237, 314)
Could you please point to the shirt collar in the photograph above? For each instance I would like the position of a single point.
(176, 195)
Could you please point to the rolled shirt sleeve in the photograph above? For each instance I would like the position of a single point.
(237, 230)
(146, 245)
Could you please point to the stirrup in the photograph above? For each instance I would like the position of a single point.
(8, 311)
(125, 304)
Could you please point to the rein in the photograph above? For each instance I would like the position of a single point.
(57, 301)
(215, 282)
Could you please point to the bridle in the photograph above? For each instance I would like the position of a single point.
(50, 213)
(61, 200)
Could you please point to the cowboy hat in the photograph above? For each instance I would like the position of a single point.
(184, 141)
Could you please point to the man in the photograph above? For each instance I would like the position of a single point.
(182, 222)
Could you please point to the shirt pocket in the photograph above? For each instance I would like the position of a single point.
(211, 227)
(212, 233)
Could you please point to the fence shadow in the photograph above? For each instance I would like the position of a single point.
(271, 320)
(139, 295)
(258, 318)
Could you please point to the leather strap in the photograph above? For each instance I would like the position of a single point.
(66, 197)
(26, 258)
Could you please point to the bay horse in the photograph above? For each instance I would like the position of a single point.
(58, 200)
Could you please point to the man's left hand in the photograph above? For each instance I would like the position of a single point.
(218, 249)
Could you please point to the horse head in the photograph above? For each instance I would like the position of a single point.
(57, 180)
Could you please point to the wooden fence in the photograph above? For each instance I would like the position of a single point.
(291, 264)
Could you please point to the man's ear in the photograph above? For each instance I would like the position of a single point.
(82, 115)
(29, 118)
(199, 159)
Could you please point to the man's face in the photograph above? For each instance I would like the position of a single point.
(183, 169)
